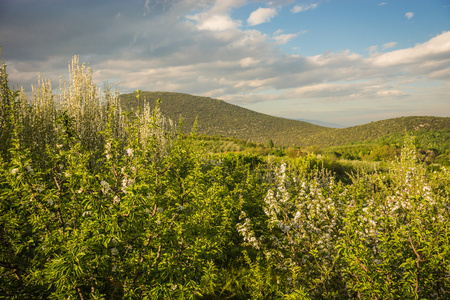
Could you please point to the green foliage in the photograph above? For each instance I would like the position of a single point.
(114, 205)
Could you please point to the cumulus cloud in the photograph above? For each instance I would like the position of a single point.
(436, 49)
(409, 15)
(215, 22)
(216, 17)
(261, 15)
(305, 7)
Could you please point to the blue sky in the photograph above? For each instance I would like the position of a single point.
(348, 62)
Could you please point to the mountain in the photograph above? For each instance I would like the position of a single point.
(217, 117)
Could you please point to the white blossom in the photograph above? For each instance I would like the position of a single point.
(105, 187)
(130, 152)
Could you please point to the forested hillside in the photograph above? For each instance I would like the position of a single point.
(379, 129)
(217, 117)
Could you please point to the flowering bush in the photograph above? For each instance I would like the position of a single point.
(383, 236)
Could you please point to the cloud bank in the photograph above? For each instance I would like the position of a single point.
(197, 47)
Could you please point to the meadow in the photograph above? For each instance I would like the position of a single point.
(101, 203)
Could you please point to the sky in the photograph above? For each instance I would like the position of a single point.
(347, 62)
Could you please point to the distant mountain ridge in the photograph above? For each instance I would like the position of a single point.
(217, 117)
(322, 123)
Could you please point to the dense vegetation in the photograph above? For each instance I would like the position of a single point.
(96, 203)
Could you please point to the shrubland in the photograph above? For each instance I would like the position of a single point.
(100, 203)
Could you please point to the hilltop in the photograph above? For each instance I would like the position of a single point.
(217, 117)
(376, 130)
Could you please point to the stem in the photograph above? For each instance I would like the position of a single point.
(418, 260)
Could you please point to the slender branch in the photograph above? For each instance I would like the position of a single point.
(418, 260)
(59, 196)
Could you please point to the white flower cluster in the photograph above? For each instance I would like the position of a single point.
(299, 223)
(246, 231)
(105, 187)
(126, 183)
(130, 152)
(156, 130)
(108, 151)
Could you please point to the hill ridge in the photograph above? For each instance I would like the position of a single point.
(217, 117)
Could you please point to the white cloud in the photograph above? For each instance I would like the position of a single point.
(279, 31)
(147, 8)
(215, 17)
(436, 49)
(409, 15)
(261, 15)
(284, 38)
(216, 23)
(382, 4)
(389, 45)
(249, 62)
(302, 8)
(373, 49)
